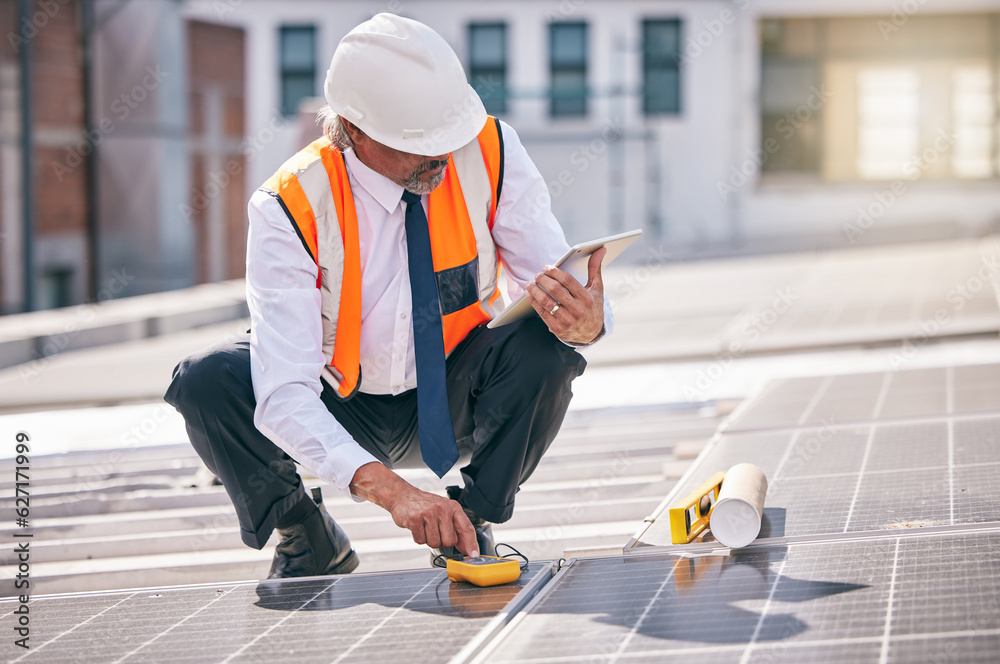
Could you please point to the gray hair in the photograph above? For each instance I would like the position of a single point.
(333, 128)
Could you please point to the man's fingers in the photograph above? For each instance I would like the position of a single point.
(576, 314)
(554, 288)
(540, 299)
(552, 278)
(594, 278)
(433, 532)
(467, 542)
(419, 536)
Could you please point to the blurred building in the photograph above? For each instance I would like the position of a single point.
(717, 126)
(57, 109)
(137, 172)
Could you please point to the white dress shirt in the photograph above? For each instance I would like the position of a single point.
(286, 354)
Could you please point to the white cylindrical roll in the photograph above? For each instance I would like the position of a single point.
(736, 517)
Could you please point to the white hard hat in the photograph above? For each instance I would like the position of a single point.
(401, 84)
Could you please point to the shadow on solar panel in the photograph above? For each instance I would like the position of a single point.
(704, 599)
(717, 587)
(443, 599)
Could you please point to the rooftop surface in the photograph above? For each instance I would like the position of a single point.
(886, 356)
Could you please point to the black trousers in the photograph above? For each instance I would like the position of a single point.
(508, 391)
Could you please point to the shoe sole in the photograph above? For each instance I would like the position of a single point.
(346, 566)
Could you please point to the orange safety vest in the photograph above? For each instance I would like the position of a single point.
(314, 191)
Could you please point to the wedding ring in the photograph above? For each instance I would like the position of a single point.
(554, 310)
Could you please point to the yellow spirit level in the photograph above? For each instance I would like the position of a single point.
(690, 516)
(484, 570)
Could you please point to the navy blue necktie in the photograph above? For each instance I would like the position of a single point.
(437, 434)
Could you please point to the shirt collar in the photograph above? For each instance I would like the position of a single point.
(382, 189)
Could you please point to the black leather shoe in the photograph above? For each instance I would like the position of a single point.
(484, 536)
(328, 552)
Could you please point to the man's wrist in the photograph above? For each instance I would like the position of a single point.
(376, 483)
(592, 341)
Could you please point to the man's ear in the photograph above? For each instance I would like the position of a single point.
(352, 130)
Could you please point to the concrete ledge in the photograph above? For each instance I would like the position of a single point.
(41, 334)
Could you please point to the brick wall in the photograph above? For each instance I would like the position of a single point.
(216, 75)
(58, 113)
(59, 194)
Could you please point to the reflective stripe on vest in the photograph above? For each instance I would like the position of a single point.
(314, 191)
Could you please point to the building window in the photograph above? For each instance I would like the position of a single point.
(488, 64)
(974, 114)
(55, 288)
(888, 121)
(661, 72)
(790, 71)
(843, 101)
(298, 66)
(568, 64)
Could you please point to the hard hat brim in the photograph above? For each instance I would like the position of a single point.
(459, 127)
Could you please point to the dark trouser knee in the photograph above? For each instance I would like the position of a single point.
(521, 395)
(212, 390)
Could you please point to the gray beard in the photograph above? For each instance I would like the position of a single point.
(420, 187)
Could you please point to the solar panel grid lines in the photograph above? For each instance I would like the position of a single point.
(760, 621)
(916, 394)
(148, 643)
(642, 618)
(816, 476)
(375, 616)
(912, 471)
(861, 474)
(884, 653)
(862, 598)
(376, 628)
(686, 483)
(949, 376)
(902, 463)
(248, 644)
(778, 395)
(73, 628)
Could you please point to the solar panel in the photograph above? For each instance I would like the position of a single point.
(916, 393)
(415, 616)
(880, 542)
(879, 538)
(848, 478)
(891, 598)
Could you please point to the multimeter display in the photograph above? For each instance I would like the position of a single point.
(482, 560)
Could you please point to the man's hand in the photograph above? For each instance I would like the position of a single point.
(579, 317)
(433, 520)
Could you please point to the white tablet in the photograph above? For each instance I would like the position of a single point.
(575, 263)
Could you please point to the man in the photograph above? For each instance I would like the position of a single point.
(372, 267)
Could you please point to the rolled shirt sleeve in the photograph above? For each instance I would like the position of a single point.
(286, 353)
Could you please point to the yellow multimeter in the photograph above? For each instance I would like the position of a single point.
(484, 570)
